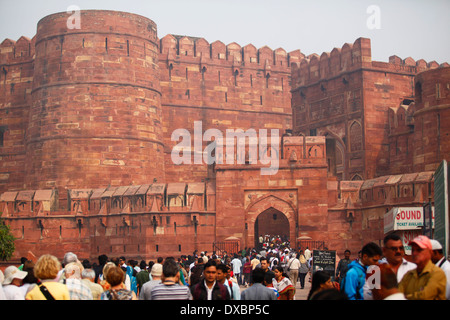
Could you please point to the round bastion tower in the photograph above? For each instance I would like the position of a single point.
(431, 118)
(95, 118)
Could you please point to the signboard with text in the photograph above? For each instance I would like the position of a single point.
(324, 260)
(405, 218)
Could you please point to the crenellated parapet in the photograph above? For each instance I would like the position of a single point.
(314, 68)
(13, 52)
(192, 49)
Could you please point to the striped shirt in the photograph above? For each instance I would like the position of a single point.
(170, 292)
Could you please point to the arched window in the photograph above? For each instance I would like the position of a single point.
(355, 137)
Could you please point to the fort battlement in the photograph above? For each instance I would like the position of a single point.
(17, 51)
(350, 57)
(200, 50)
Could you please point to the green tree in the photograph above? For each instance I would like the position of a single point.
(7, 246)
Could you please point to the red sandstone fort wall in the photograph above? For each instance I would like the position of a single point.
(346, 96)
(16, 80)
(86, 118)
(224, 87)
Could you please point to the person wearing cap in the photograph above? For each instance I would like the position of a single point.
(156, 274)
(13, 281)
(438, 258)
(427, 281)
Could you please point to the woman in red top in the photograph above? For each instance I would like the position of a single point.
(247, 271)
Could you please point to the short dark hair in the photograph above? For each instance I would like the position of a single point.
(210, 263)
(102, 259)
(371, 249)
(268, 276)
(258, 275)
(222, 267)
(170, 268)
(391, 236)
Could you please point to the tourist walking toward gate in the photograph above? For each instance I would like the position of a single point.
(170, 288)
(156, 275)
(247, 271)
(78, 290)
(293, 269)
(46, 270)
(117, 291)
(12, 283)
(237, 267)
(303, 270)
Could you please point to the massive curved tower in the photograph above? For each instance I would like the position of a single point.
(95, 118)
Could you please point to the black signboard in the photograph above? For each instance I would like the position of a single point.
(324, 260)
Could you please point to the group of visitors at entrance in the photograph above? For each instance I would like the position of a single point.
(269, 272)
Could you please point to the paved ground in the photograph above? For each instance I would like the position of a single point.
(300, 294)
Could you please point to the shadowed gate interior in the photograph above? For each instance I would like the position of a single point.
(271, 222)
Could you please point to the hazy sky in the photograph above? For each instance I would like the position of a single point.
(406, 28)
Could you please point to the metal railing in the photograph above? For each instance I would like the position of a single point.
(230, 247)
(311, 245)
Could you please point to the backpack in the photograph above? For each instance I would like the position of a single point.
(121, 294)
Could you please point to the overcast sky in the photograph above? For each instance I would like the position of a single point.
(406, 28)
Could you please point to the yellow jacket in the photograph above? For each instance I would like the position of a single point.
(58, 290)
(430, 284)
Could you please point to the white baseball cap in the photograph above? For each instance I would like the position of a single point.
(435, 245)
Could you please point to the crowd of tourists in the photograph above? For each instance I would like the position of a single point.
(271, 271)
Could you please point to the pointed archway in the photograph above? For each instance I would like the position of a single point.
(266, 207)
(271, 222)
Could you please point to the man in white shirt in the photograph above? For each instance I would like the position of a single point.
(237, 265)
(439, 259)
(293, 266)
(394, 252)
(307, 253)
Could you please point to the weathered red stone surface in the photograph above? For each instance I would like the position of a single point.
(87, 116)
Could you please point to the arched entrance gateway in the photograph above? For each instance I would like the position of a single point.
(272, 215)
(271, 222)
